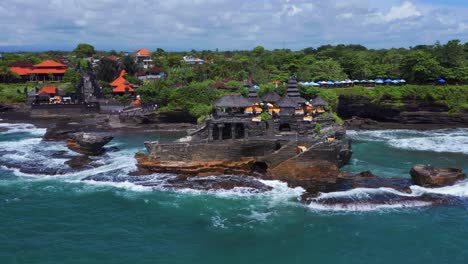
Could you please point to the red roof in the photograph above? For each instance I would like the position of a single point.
(119, 80)
(48, 90)
(49, 64)
(143, 52)
(136, 102)
(20, 70)
(121, 88)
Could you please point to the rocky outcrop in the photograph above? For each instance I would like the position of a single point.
(56, 133)
(80, 162)
(195, 183)
(429, 176)
(147, 165)
(88, 143)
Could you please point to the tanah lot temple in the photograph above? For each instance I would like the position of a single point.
(238, 117)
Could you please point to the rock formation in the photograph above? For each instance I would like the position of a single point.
(88, 143)
(429, 176)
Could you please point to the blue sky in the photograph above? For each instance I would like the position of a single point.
(228, 24)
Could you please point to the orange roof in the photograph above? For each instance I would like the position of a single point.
(20, 70)
(121, 88)
(49, 63)
(47, 71)
(143, 52)
(48, 90)
(120, 79)
(136, 102)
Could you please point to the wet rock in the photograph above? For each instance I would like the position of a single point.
(168, 181)
(56, 134)
(80, 162)
(148, 165)
(217, 183)
(314, 176)
(378, 199)
(430, 176)
(88, 143)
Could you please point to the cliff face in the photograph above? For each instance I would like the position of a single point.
(409, 111)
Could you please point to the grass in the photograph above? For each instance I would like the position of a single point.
(9, 91)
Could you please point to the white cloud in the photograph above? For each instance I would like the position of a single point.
(406, 10)
(226, 24)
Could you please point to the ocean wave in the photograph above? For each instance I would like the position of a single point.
(22, 128)
(442, 140)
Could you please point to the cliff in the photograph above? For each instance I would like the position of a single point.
(410, 111)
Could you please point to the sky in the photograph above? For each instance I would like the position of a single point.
(177, 25)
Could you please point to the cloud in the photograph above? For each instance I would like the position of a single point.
(226, 24)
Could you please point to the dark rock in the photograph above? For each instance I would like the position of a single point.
(80, 162)
(56, 134)
(429, 176)
(168, 181)
(88, 143)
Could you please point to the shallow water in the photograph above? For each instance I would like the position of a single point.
(60, 219)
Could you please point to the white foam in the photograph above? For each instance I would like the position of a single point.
(362, 207)
(22, 128)
(442, 140)
(460, 189)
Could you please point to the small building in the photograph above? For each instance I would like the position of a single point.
(231, 104)
(318, 104)
(192, 60)
(121, 86)
(143, 57)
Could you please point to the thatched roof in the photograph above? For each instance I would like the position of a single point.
(232, 101)
(319, 101)
(292, 89)
(286, 102)
(299, 100)
(271, 97)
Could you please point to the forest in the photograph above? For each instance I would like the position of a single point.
(194, 87)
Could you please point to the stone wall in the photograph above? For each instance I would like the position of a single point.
(232, 150)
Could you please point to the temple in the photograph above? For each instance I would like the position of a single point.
(45, 71)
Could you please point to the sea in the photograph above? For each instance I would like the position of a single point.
(59, 218)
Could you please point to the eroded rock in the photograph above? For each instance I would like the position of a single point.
(88, 143)
(430, 176)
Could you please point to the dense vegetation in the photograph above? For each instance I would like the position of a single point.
(193, 88)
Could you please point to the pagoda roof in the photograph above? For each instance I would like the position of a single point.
(286, 102)
(271, 97)
(232, 101)
(319, 101)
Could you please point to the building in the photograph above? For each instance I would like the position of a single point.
(143, 57)
(45, 71)
(192, 60)
(121, 86)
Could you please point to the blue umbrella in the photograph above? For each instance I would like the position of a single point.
(363, 81)
(395, 81)
(371, 81)
(315, 84)
(379, 81)
(330, 83)
(440, 80)
(402, 81)
(356, 81)
(388, 81)
(337, 82)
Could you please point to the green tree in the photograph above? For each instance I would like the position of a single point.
(129, 65)
(84, 50)
(107, 70)
(327, 69)
(419, 66)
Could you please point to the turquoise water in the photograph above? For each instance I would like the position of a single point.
(59, 219)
